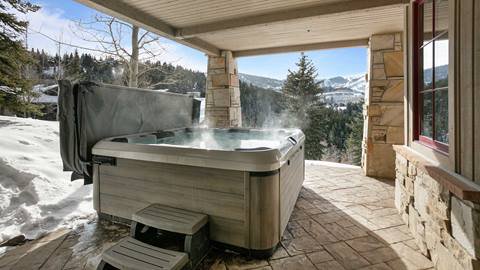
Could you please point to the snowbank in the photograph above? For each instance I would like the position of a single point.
(36, 196)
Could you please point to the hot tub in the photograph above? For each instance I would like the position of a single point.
(246, 180)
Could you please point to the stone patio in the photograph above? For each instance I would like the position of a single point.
(342, 220)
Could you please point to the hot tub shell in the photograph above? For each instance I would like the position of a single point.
(248, 195)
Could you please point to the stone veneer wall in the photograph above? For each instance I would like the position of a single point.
(383, 110)
(446, 228)
(223, 92)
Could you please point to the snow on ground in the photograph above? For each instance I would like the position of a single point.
(36, 196)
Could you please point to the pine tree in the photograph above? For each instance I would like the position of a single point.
(12, 52)
(302, 82)
(72, 67)
(301, 90)
(354, 140)
(14, 57)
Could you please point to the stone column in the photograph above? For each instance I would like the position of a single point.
(223, 108)
(383, 110)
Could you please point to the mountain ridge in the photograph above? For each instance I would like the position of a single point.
(355, 83)
(261, 81)
(336, 90)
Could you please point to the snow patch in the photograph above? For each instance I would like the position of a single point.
(36, 196)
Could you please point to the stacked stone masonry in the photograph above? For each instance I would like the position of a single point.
(383, 110)
(223, 108)
(446, 228)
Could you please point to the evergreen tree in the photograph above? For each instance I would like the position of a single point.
(72, 67)
(355, 137)
(14, 57)
(260, 107)
(331, 132)
(302, 82)
(12, 52)
(301, 89)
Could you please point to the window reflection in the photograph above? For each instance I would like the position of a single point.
(427, 66)
(441, 62)
(441, 17)
(427, 20)
(433, 70)
(441, 116)
(427, 115)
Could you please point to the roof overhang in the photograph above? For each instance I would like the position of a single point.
(260, 27)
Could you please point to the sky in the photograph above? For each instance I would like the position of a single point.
(55, 19)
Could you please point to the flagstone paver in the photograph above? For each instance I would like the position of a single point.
(366, 243)
(342, 220)
(393, 235)
(300, 262)
(346, 256)
(330, 265)
(320, 257)
(380, 255)
(380, 266)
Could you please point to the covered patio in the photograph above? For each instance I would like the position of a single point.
(342, 220)
(226, 31)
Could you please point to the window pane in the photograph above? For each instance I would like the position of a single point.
(427, 115)
(441, 62)
(427, 20)
(427, 55)
(441, 116)
(441, 43)
(441, 17)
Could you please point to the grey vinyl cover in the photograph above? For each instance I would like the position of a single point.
(89, 112)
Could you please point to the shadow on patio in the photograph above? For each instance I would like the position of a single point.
(342, 220)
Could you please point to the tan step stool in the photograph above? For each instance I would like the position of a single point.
(188, 224)
(132, 254)
(170, 219)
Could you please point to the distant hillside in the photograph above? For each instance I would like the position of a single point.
(336, 90)
(263, 82)
(354, 83)
(441, 73)
(343, 90)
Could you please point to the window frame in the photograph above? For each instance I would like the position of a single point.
(418, 92)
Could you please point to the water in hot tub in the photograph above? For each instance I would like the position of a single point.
(227, 139)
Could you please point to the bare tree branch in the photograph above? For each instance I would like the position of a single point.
(134, 48)
(69, 44)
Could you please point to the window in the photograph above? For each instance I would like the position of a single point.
(431, 73)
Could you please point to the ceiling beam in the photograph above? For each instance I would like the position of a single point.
(132, 15)
(285, 15)
(304, 47)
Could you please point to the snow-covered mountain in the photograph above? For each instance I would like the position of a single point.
(264, 82)
(338, 90)
(355, 83)
(343, 90)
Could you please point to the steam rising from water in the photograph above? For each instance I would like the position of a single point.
(223, 139)
(284, 119)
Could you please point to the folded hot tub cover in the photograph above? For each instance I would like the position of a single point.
(89, 112)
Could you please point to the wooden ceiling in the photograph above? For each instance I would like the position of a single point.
(254, 27)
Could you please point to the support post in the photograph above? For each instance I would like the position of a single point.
(223, 109)
(383, 109)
